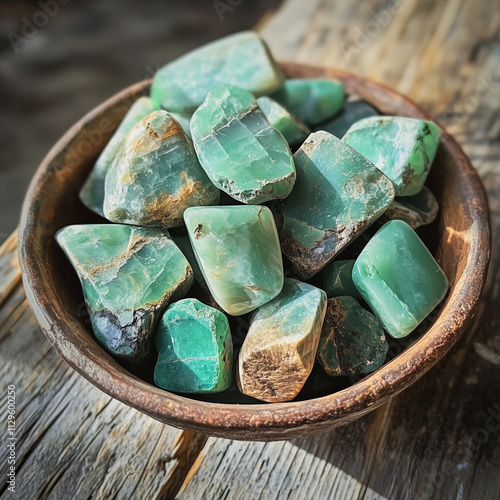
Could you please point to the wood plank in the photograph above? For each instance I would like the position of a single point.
(10, 272)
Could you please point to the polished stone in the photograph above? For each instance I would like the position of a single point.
(279, 350)
(292, 129)
(311, 100)
(156, 175)
(129, 275)
(242, 59)
(352, 339)
(399, 278)
(195, 350)
(238, 251)
(92, 192)
(337, 279)
(402, 148)
(338, 194)
(242, 153)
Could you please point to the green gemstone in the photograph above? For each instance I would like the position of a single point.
(312, 101)
(337, 278)
(399, 278)
(129, 275)
(195, 350)
(92, 192)
(403, 148)
(278, 353)
(238, 251)
(242, 59)
(155, 176)
(242, 153)
(346, 117)
(184, 120)
(292, 129)
(181, 238)
(352, 340)
(338, 194)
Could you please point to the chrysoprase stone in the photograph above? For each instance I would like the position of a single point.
(338, 194)
(242, 59)
(195, 350)
(399, 278)
(337, 279)
(403, 148)
(417, 210)
(293, 130)
(129, 275)
(312, 101)
(238, 251)
(92, 192)
(184, 120)
(242, 153)
(156, 175)
(278, 353)
(352, 340)
(346, 117)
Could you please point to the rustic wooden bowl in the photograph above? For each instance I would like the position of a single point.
(462, 249)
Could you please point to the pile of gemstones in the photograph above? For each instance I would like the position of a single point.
(210, 216)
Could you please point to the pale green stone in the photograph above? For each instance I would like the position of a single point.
(241, 152)
(238, 251)
(338, 194)
(184, 120)
(195, 350)
(402, 148)
(92, 192)
(278, 353)
(129, 275)
(242, 59)
(292, 129)
(399, 278)
(352, 340)
(311, 100)
(156, 175)
(337, 279)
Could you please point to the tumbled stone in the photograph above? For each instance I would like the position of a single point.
(337, 279)
(238, 251)
(129, 275)
(292, 129)
(242, 59)
(195, 350)
(403, 148)
(312, 101)
(338, 194)
(399, 278)
(92, 192)
(156, 175)
(346, 117)
(241, 152)
(278, 353)
(352, 340)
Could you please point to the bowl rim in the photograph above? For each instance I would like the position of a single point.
(267, 420)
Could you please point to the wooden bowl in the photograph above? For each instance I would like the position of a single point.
(54, 293)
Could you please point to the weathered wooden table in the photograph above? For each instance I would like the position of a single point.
(439, 439)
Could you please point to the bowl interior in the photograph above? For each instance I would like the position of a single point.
(459, 239)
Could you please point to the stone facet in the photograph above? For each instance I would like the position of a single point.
(338, 194)
(195, 350)
(399, 278)
(337, 278)
(92, 192)
(242, 59)
(312, 101)
(129, 275)
(402, 148)
(238, 251)
(239, 149)
(352, 340)
(292, 129)
(278, 353)
(156, 175)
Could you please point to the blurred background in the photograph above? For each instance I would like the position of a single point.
(61, 58)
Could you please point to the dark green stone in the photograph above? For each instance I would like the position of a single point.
(337, 279)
